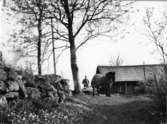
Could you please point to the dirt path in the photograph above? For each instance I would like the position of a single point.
(119, 110)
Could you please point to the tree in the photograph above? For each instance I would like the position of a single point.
(78, 21)
(157, 31)
(83, 19)
(33, 16)
(53, 46)
(4, 2)
(116, 61)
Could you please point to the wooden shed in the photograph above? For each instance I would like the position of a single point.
(127, 77)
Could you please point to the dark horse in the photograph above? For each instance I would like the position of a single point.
(102, 83)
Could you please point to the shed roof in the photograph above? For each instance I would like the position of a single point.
(132, 72)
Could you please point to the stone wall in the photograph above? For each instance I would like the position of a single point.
(20, 84)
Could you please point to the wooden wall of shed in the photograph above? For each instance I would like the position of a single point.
(124, 87)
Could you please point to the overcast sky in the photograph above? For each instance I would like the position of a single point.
(134, 47)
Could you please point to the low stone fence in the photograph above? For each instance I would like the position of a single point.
(19, 84)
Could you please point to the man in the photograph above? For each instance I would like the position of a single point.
(85, 82)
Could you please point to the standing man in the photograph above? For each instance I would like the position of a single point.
(85, 82)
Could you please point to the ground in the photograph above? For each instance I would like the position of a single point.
(85, 109)
(117, 109)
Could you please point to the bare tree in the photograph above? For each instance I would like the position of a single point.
(33, 16)
(82, 20)
(78, 22)
(53, 46)
(4, 2)
(57, 46)
(157, 32)
(116, 61)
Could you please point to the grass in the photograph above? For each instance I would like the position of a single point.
(120, 110)
(129, 113)
(86, 109)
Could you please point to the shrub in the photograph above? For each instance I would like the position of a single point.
(34, 105)
(160, 95)
(158, 92)
(140, 88)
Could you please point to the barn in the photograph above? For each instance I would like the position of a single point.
(127, 77)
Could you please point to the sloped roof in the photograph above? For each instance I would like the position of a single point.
(132, 72)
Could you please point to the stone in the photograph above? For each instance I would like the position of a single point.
(33, 92)
(1, 57)
(11, 95)
(61, 96)
(3, 102)
(65, 84)
(13, 86)
(11, 73)
(52, 78)
(53, 95)
(29, 78)
(45, 86)
(2, 65)
(53, 88)
(42, 83)
(19, 77)
(59, 86)
(3, 75)
(21, 84)
(3, 87)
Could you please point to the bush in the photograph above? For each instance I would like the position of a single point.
(34, 105)
(158, 92)
(140, 88)
(159, 95)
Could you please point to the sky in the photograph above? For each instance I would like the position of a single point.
(133, 46)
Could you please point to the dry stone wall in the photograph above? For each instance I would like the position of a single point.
(20, 84)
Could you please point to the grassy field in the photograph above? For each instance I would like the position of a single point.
(86, 109)
(118, 110)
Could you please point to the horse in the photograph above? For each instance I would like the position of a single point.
(102, 83)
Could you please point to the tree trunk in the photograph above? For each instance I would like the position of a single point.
(39, 46)
(53, 48)
(4, 3)
(74, 68)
